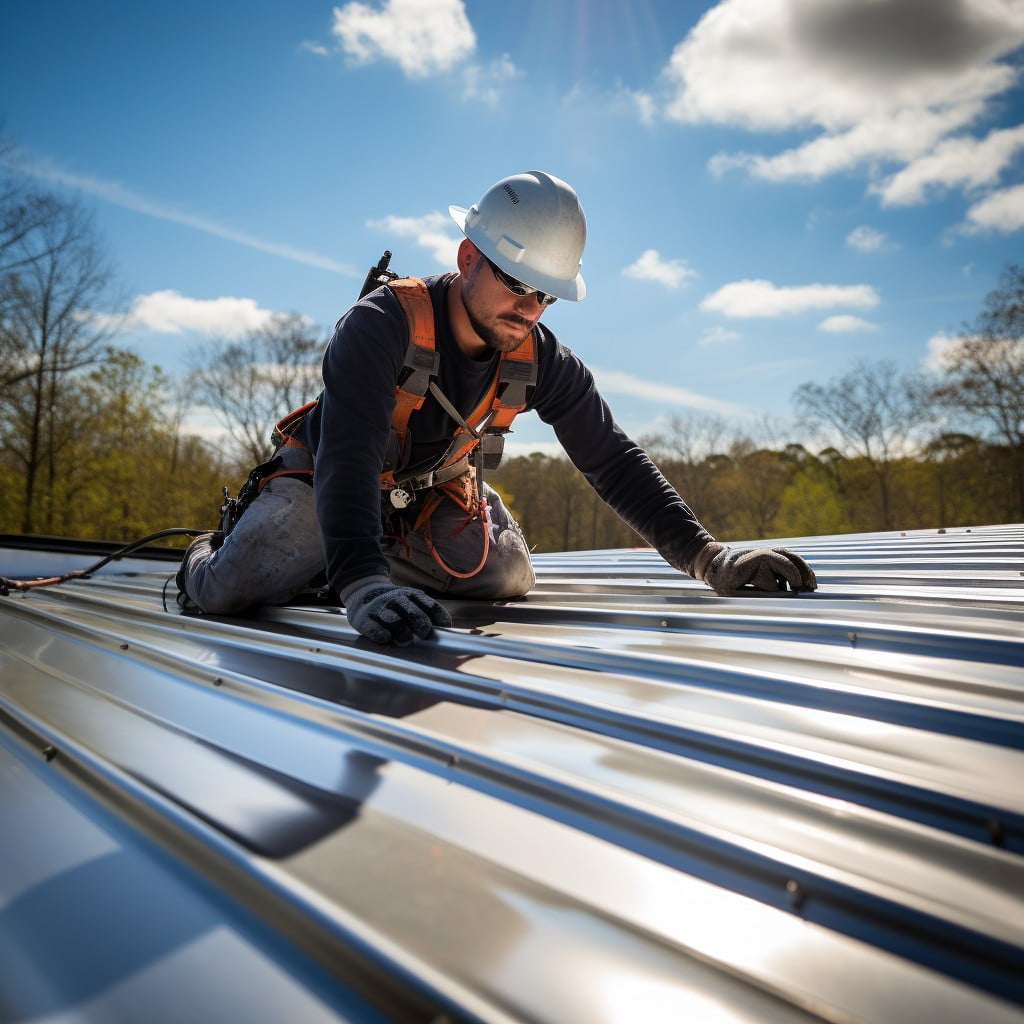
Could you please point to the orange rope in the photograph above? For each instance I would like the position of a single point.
(484, 523)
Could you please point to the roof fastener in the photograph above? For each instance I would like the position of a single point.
(797, 896)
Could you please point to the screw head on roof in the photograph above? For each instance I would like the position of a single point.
(796, 894)
(995, 831)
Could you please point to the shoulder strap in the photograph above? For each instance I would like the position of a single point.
(517, 377)
(421, 363)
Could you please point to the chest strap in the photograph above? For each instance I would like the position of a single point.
(482, 430)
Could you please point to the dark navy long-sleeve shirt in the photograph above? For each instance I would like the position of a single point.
(350, 428)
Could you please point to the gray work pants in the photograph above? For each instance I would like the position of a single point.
(276, 551)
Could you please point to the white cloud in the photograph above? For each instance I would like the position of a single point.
(487, 83)
(718, 336)
(612, 100)
(423, 37)
(940, 347)
(201, 421)
(613, 382)
(885, 80)
(866, 239)
(651, 267)
(170, 312)
(432, 231)
(318, 48)
(1000, 211)
(752, 298)
(516, 449)
(900, 137)
(115, 193)
(644, 104)
(844, 323)
(942, 350)
(962, 161)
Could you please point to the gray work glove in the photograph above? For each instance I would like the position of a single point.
(387, 613)
(728, 570)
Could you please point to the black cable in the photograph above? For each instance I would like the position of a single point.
(7, 585)
(163, 591)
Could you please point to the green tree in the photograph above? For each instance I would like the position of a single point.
(754, 488)
(950, 459)
(124, 470)
(811, 506)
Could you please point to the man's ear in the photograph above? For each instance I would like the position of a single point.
(467, 257)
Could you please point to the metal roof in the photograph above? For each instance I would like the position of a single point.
(620, 799)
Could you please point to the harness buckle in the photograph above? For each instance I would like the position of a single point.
(516, 382)
(420, 367)
(491, 448)
(400, 497)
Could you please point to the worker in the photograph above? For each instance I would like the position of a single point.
(376, 488)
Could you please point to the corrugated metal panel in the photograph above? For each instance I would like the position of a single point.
(623, 798)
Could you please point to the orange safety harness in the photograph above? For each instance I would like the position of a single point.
(476, 444)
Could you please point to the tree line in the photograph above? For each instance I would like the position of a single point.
(92, 445)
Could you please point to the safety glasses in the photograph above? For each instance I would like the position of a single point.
(518, 288)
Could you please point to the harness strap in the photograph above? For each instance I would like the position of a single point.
(516, 380)
(422, 362)
(503, 400)
(434, 477)
(305, 475)
(282, 436)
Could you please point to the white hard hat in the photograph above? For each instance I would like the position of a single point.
(531, 226)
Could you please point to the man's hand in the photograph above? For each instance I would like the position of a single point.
(387, 613)
(727, 570)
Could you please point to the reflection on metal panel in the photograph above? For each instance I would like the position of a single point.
(622, 798)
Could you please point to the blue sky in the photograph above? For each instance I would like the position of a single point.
(774, 188)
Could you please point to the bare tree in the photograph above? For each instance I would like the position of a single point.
(22, 215)
(25, 239)
(875, 411)
(250, 384)
(984, 371)
(22, 212)
(692, 451)
(57, 275)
